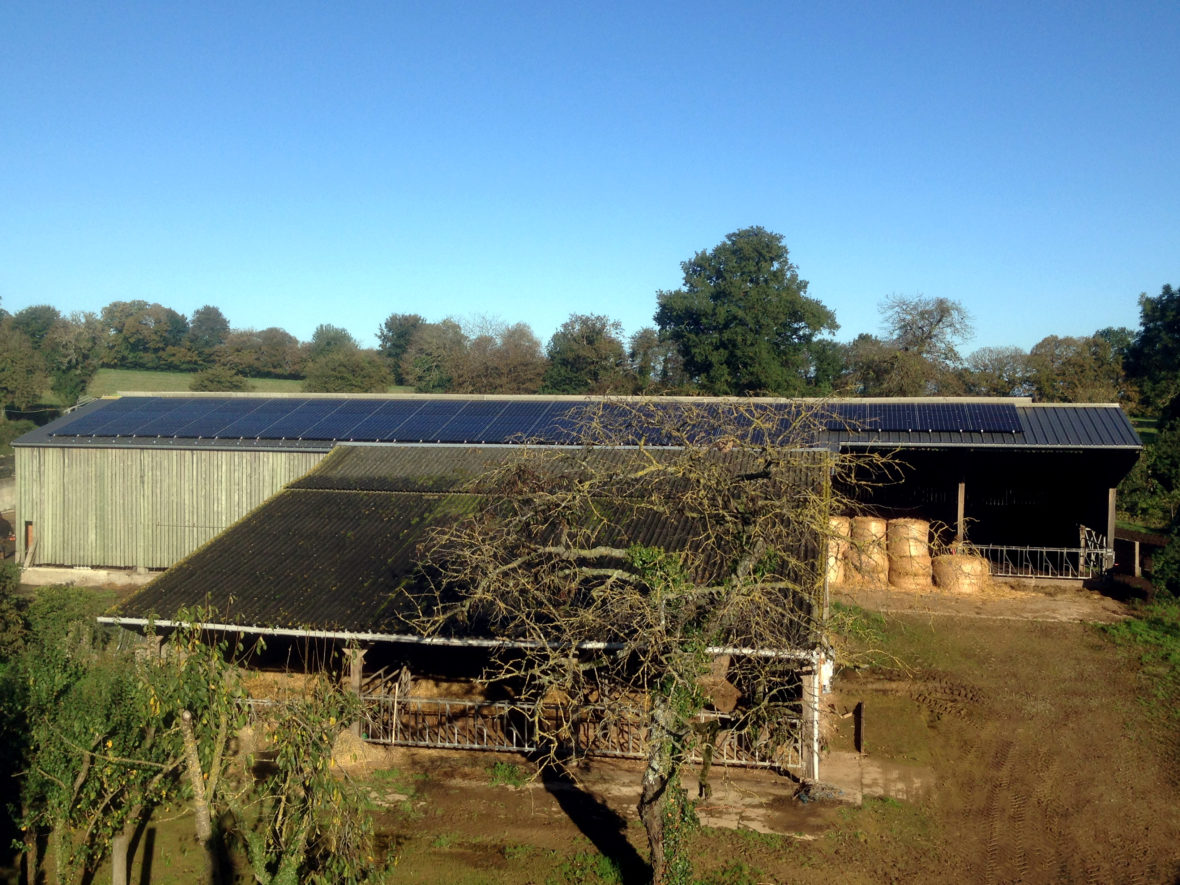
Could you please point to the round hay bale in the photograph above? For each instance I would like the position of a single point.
(868, 530)
(910, 582)
(961, 572)
(839, 527)
(908, 538)
(867, 558)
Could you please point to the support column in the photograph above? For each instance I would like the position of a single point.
(356, 669)
(1111, 496)
(810, 712)
(961, 514)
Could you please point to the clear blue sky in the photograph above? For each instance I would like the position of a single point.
(300, 163)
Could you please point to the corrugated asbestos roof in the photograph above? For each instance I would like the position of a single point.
(323, 422)
(336, 551)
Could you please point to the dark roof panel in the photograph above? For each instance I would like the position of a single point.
(321, 422)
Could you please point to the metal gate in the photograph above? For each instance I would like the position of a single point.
(586, 730)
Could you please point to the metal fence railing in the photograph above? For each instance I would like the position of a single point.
(1080, 563)
(582, 731)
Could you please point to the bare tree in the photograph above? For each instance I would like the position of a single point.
(668, 583)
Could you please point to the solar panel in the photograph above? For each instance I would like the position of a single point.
(252, 424)
(518, 422)
(214, 422)
(294, 424)
(426, 424)
(469, 424)
(342, 423)
(381, 424)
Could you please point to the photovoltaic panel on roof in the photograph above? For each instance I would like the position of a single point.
(471, 422)
(296, 423)
(425, 424)
(214, 422)
(343, 421)
(385, 420)
(517, 422)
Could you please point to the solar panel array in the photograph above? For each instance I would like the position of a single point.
(489, 421)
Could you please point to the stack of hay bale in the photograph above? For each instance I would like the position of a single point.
(866, 551)
(909, 554)
(868, 560)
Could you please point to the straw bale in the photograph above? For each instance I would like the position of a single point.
(910, 582)
(908, 538)
(867, 562)
(961, 572)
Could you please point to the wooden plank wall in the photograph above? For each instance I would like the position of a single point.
(146, 508)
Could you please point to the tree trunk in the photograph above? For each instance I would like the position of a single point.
(120, 846)
(654, 796)
(196, 777)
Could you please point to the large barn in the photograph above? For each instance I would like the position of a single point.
(138, 482)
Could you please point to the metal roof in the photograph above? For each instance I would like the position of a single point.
(320, 423)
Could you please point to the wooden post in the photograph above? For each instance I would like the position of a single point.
(961, 514)
(1138, 563)
(356, 669)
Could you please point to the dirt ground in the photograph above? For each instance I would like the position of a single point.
(1030, 760)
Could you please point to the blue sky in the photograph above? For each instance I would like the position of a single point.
(312, 162)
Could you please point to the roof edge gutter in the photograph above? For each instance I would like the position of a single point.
(411, 639)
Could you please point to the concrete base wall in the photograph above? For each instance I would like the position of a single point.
(8, 493)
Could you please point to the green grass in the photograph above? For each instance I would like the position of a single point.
(508, 774)
(1154, 639)
(1147, 428)
(111, 381)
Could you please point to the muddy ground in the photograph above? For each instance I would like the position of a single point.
(1030, 758)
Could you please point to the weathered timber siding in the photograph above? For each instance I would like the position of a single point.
(126, 507)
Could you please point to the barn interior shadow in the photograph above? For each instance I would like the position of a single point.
(603, 826)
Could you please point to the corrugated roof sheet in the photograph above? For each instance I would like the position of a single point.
(172, 422)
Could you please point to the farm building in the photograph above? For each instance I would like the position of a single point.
(141, 481)
(361, 586)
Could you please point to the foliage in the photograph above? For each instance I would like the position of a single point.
(10, 430)
(586, 356)
(559, 551)
(929, 327)
(22, 369)
(1150, 493)
(271, 353)
(428, 362)
(507, 774)
(207, 330)
(997, 371)
(1077, 370)
(139, 335)
(499, 359)
(219, 378)
(312, 827)
(655, 361)
(394, 337)
(1153, 359)
(36, 321)
(347, 371)
(72, 349)
(328, 339)
(742, 321)
(587, 868)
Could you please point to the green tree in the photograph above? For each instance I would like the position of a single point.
(73, 349)
(36, 321)
(328, 339)
(743, 321)
(22, 369)
(138, 335)
(1153, 358)
(498, 359)
(219, 378)
(586, 355)
(394, 337)
(347, 371)
(429, 361)
(1077, 370)
(655, 361)
(271, 353)
(207, 331)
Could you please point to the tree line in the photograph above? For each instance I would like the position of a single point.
(741, 323)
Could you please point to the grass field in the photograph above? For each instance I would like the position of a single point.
(111, 381)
